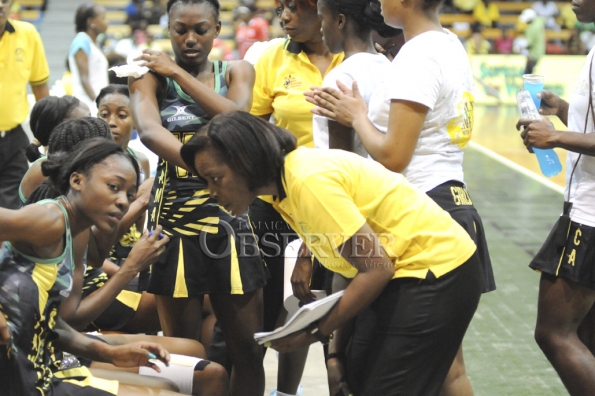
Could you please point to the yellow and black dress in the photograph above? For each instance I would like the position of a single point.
(122, 309)
(209, 250)
(31, 290)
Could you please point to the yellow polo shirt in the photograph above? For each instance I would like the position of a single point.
(22, 61)
(330, 194)
(283, 73)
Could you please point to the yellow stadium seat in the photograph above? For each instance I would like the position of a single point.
(228, 4)
(117, 4)
(116, 16)
(227, 31)
(29, 15)
(512, 6)
(265, 4)
(31, 3)
(492, 34)
(119, 30)
(558, 34)
(449, 19)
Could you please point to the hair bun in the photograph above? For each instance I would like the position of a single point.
(52, 166)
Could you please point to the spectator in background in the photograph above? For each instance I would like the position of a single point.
(549, 11)
(87, 62)
(135, 14)
(486, 13)
(535, 35)
(252, 28)
(23, 61)
(476, 44)
(503, 44)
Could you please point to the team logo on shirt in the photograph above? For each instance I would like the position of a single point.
(581, 87)
(181, 115)
(461, 126)
(291, 82)
(18, 54)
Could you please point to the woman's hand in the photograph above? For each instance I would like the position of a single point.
(294, 341)
(159, 62)
(344, 105)
(550, 103)
(300, 280)
(4, 331)
(336, 377)
(138, 354)
(538, 134)
(146, 251)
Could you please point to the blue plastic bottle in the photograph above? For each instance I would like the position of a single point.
(548, 159)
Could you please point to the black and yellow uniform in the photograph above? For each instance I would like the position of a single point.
(120, 311)
(209, 251)
(30, 293)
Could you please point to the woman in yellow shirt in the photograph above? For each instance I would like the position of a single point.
(405, 257)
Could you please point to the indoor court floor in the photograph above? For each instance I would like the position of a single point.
(518, 207)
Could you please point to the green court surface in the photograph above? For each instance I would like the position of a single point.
(501, 355)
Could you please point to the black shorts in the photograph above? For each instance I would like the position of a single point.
(453, 197)
(575, 260)
(119, 312)
(406, 341)
(274, 234)
(226, 262)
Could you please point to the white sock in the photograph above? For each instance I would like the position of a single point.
(283, 394)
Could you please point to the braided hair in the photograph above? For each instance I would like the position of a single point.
(45, 116)
(64, 139)
(214, 4)
(84, 155)
(45, 190)
(69, 133)
(365, 13)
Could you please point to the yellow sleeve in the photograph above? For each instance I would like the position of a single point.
(40, 72)
(327, 210)
(262, 99)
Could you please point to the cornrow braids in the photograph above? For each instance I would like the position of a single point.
(87, 153)
(45, 116)
(214, 4)
(69, 133)
(45, 190)
(365, 13)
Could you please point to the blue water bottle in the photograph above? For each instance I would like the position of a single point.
(548, 159)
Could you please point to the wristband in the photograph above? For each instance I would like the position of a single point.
(335, 355)
(315, 331)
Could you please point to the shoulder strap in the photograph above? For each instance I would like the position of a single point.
(589, 110)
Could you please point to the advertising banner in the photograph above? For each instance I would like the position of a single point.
(499, 77)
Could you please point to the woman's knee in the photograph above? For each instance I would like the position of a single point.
(548, 338)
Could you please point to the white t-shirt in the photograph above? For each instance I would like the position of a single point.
(582, 191)
(431, 69)
(368, 70)
(98, 66)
